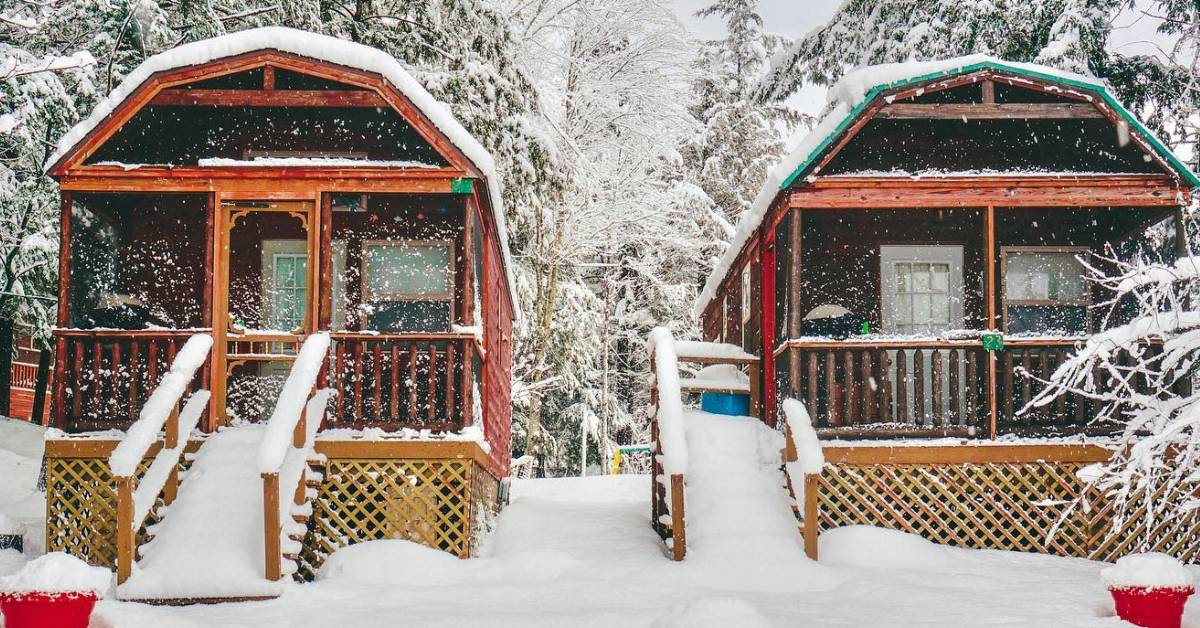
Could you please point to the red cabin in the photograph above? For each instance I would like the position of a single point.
(262, 187)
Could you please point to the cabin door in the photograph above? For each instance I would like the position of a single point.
(921, 289)
(921, 295)
(266, 302)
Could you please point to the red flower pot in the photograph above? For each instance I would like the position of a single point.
(1151, 608)
(47, 610)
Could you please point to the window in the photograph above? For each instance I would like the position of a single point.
(921, 288)
(1044, 291)
(745, 295)
(289, 280)
(407, 286)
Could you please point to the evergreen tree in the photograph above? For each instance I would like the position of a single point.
(1069, 34)
(741, 139)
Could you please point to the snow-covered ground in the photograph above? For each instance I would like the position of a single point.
(580, 552)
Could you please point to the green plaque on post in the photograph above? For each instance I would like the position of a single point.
(993, 341)
(462, 185)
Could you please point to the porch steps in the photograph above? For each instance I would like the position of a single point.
(208, 546)
(738, 509)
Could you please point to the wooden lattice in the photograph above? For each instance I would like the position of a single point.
(441, 503)
(992, 505)
(81, 509)
(426, 501)
(1178, 536)
(997, 505)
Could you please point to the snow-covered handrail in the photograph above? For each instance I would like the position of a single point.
(165, 463)
(140, 436)
(803, 461)
(802, 438)
(136, 499)
(671, 438)
(670, 443)
(283, 454)
(281, 427)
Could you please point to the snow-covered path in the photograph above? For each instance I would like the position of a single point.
(735, 497)
(210, 541)
(580, 552)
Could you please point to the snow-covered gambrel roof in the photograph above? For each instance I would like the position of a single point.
(320, 48)
(852, 96)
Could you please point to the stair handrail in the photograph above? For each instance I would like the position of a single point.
(287, 443)
(803, 461)
(135, 499)
(670, 441)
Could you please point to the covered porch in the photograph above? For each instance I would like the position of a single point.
(897, 282)
(395, 276)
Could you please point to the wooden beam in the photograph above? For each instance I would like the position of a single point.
(265, 184)
(989, 235)
(903, 192)
(269, 98)
(964, 454)
(988, 91)
(990, 111)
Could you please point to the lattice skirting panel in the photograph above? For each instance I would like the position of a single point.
(998, 505)
(81, 509)
(434, 502)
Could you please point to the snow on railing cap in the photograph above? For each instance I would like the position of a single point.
(57, 572)
(1152, 570)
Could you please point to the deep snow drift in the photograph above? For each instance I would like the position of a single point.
(580, 552)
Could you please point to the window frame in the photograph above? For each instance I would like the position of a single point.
(367, 295)
(1005, 302)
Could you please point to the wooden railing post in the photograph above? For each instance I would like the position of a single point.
(171, 488)
(300, 432)
(812, 526)
(678, 533)
(272, 528)
(755, 390)
(125, 531)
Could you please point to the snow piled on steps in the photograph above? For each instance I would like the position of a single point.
(737, 509)
(209, 543)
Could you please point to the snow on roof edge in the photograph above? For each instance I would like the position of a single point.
(322, 48)
(849, 96)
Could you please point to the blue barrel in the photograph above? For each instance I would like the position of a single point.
(733, 404)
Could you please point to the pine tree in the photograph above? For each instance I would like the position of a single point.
(1070, 34)
(56, 60)
(741, 139)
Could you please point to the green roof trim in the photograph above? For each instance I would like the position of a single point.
(1100, 90)
(462, 185)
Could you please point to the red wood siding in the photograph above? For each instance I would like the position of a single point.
(497, 370)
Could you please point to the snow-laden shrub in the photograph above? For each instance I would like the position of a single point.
(1143, 373)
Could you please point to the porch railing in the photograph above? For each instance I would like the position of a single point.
(104, 376)
(393, 381)
(932, 387)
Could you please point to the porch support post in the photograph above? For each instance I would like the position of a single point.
(795, 315)
(64, 261)
(467, 306)
(58, 410)
(220, 319)
(1181, 243)
(325, 262)
(210, 212)
(990, 264)
(207, 296)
